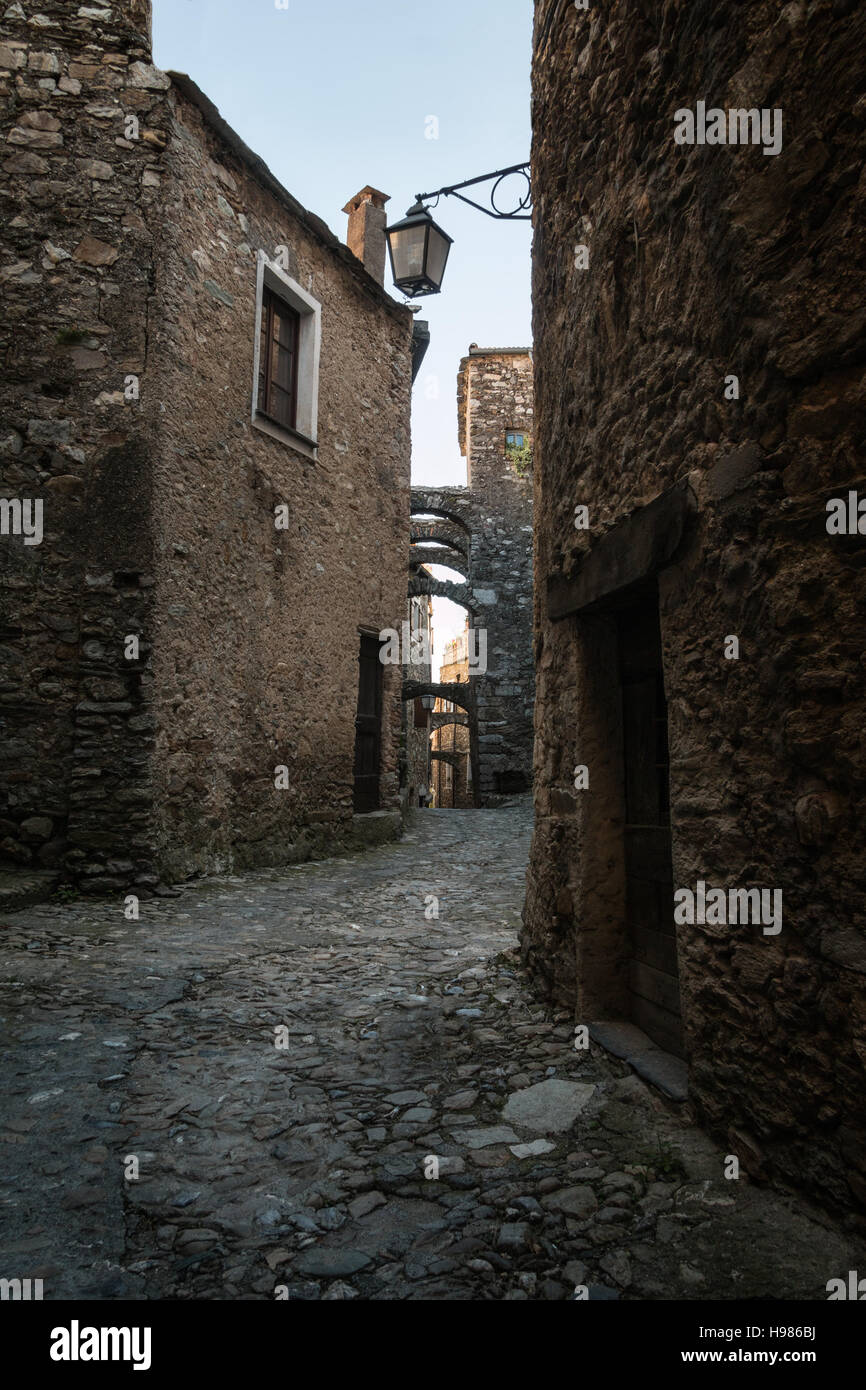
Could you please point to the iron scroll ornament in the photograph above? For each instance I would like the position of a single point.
(521, 213)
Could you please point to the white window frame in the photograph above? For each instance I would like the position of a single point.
(304, 437)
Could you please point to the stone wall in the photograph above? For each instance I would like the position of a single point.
(78, 267)
(494, 395)
(706, 263)
(129, 272)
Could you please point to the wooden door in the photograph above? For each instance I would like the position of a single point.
(368, 725)
(653, 969)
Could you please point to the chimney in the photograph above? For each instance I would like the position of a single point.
(366, 233)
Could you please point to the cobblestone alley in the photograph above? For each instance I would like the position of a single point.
(306, 1170)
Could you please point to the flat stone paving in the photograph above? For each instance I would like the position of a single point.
(381, 1153)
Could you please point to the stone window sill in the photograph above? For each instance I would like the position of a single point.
(295, 440)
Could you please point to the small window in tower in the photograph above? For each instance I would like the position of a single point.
(514, 439)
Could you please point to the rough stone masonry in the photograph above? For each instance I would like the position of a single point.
(190, 622)
(699, 390)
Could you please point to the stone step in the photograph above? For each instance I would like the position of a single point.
(662, 1069)
(22, 888)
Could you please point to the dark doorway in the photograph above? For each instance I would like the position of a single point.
(653, 970)
(510, 781)
(368, 725)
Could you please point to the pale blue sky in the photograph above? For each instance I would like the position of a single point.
(335, 94)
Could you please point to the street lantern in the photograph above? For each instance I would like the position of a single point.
(428, 701)
(418, 250)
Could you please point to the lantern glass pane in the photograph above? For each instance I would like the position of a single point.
(407, 249)
(437, 255)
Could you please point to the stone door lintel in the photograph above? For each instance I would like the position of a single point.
(634, 549)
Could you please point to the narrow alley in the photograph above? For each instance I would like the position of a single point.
(422, 1128)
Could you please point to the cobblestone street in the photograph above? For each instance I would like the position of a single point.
(305, 1171)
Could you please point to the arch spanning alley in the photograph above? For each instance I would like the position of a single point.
(459, 693)
(442, 756)
(437, 516)
(440, 719)
(438, 555)
(441, 517)
(421, 583)
(489, 523)
(444, 504)
(482, 535)
(443, 533)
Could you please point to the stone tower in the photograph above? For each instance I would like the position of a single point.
(494, 403)
(484, 532)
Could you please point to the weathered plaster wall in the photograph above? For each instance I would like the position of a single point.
(704, 262)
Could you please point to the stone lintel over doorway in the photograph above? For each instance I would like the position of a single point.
(633, 550)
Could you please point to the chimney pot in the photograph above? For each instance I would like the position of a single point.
(365, 236)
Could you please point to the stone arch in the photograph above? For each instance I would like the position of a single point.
(451, 559)
(459, 693)
(440, 720)
(443, 532)
(455, 759)
(420, 583)
(441, 505)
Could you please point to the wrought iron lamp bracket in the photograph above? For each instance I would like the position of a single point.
(521, 213)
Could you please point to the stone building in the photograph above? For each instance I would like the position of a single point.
(484, 532)
(209, 396)
(699, 390)
(452, 759)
